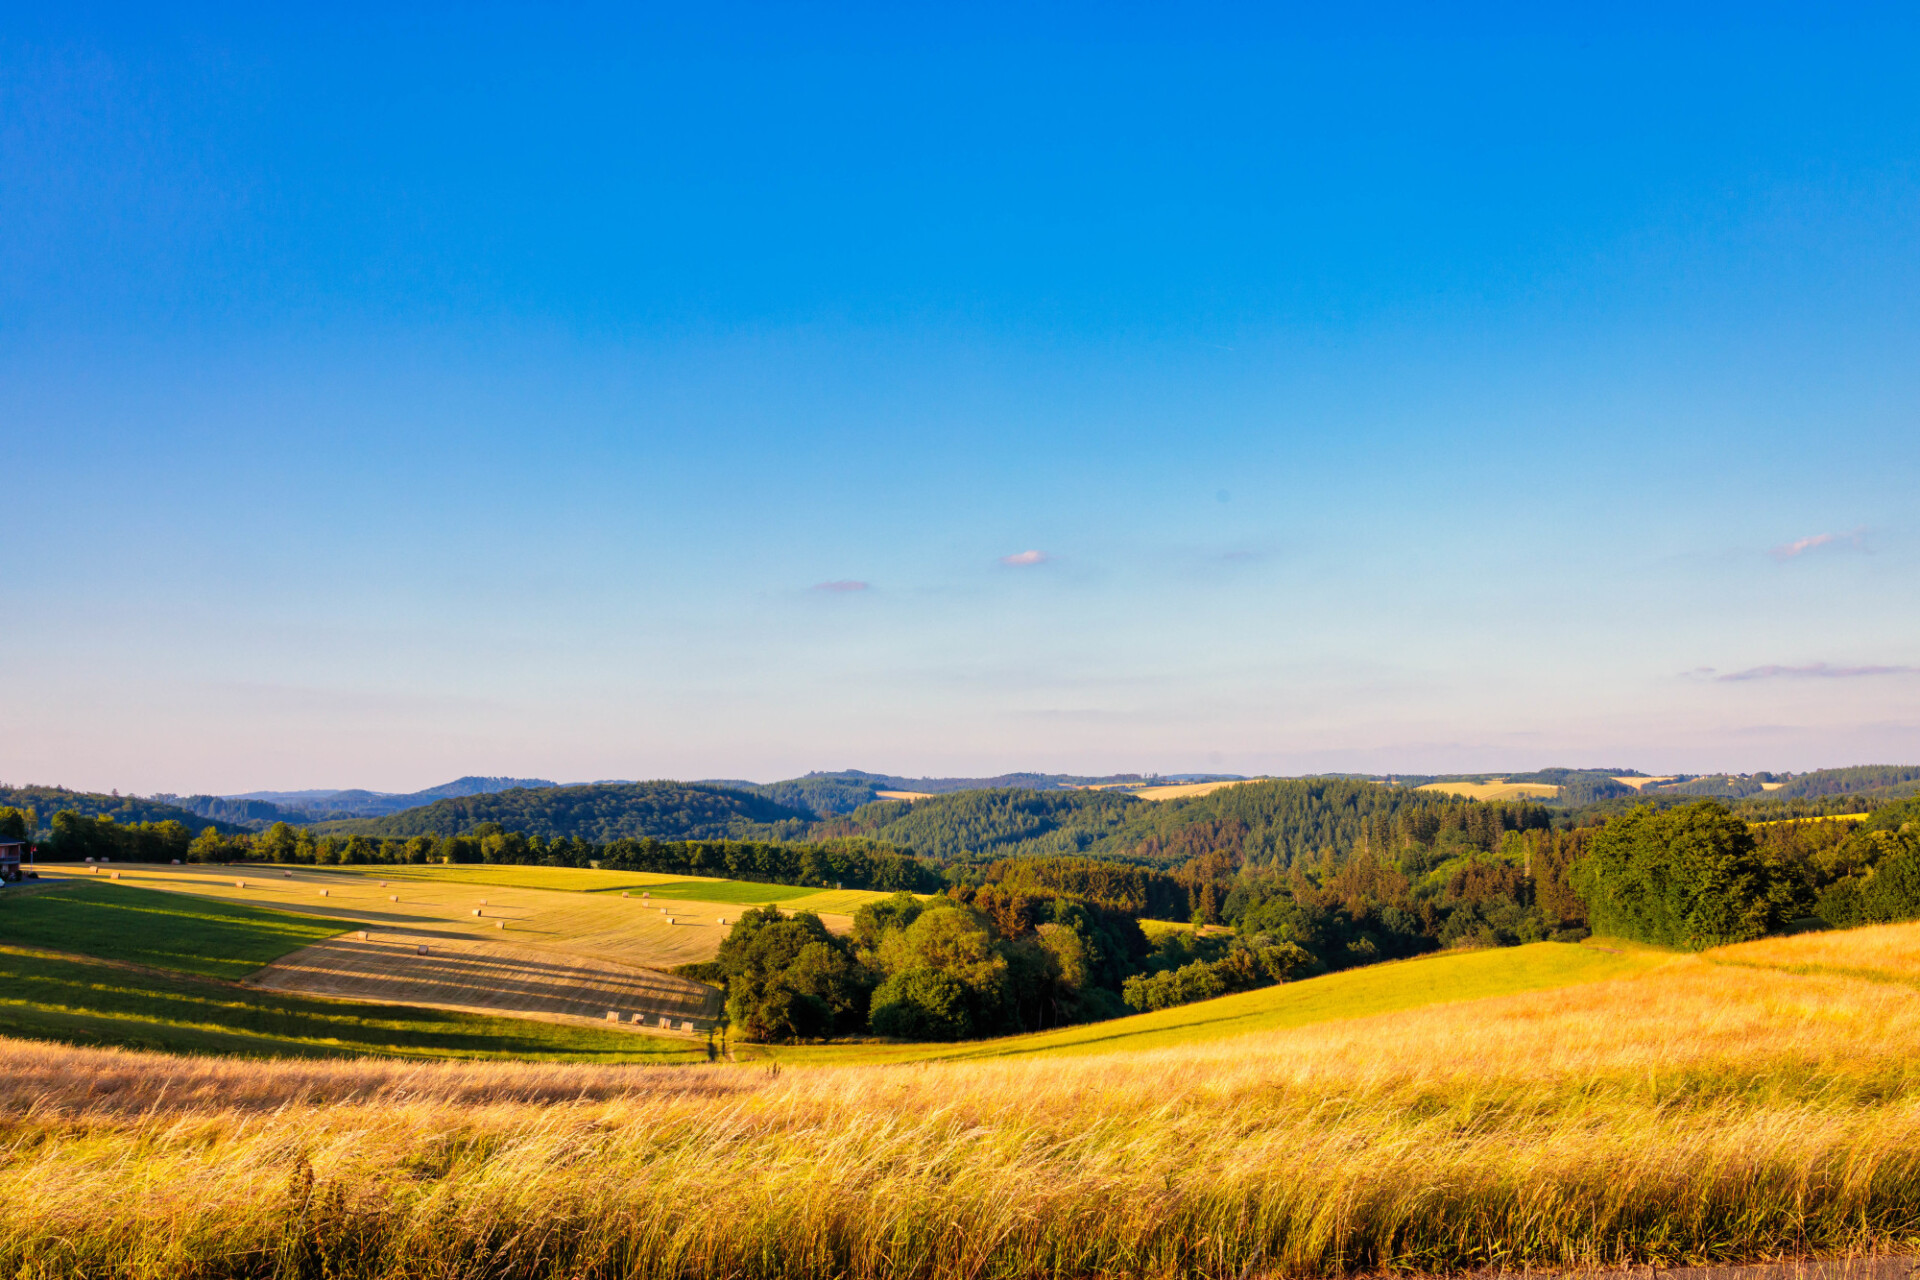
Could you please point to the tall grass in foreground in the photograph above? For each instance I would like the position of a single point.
(1702, 1111)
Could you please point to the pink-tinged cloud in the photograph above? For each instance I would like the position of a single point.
(1815, 671)
(847, 584)
(1025, 558)
(1800, 546)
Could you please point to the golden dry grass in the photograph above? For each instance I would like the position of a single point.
(1495, 790)
(1641, 784)
(1702, 1110)
(1880, 953)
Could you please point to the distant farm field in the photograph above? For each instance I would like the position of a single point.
(635, 883)
(426, 907)
(1495, 790)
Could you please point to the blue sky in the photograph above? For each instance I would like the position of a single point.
(641, 391)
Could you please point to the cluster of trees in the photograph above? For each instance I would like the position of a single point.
(77, 837)
(1691, 876)
(17, 824)
(942, 968)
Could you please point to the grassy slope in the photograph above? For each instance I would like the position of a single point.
(80, 1000)
(115, 991)
(1355, 993)
(165, 930)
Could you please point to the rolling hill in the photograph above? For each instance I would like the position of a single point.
(595, 811)
(47, 801)
(1275, 822)
(319, 805)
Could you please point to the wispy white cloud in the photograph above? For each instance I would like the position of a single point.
(845, 584)
(1813, 542)
(1025, 558)
(1812, 671)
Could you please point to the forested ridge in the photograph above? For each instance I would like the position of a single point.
(47, 801)
(595, 811)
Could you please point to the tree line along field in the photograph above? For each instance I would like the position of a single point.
(1745, 1102)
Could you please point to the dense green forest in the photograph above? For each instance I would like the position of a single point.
(1261, 824)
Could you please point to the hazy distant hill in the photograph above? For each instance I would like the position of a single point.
(47, 801)
(313, 806)
(253, 815)
(595, 811)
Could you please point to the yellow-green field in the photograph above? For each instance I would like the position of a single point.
(637, 883)
(1449, 977)
(1745, 1104)
(1495, 790)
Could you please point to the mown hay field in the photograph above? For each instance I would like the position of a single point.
(478, 976)
(1699, 1108)
(89, 960)
(79, 999)
(625, 930)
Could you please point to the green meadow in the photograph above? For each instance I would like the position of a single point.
(165, 930)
